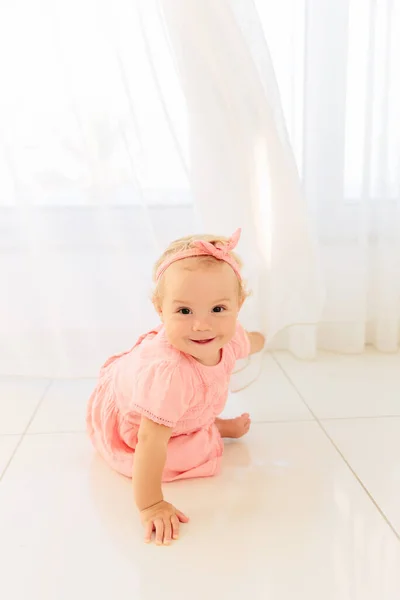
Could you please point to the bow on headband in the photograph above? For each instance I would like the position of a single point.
(220, 251)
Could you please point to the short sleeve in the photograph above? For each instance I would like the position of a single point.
(240, 342)
(160, 393)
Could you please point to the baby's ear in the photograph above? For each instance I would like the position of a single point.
(157, 307)
(241, 301)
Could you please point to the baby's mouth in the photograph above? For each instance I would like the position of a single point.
(203, 342)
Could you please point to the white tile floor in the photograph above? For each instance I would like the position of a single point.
(307, 506)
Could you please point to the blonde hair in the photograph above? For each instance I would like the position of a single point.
(186, 243)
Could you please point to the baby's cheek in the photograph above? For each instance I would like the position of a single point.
(175, 328)
(230, 328)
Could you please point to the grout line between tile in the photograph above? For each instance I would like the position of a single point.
(5, 377)
(273, 421)
(324, 431)
(83, 431)
(365, 417)
(59, 432)
(42, 397)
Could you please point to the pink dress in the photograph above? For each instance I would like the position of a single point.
(171, 388)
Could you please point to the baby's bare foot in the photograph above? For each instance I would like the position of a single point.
(234, 428)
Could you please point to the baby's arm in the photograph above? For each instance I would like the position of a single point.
(148, 466)
(150, 456)
(257, 341)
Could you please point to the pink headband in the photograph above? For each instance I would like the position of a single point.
(201, 248)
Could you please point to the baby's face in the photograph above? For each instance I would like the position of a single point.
(199, 308)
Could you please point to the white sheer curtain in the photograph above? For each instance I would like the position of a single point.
(242, 166)
(125, 124)
(93, 180)
(338, 67)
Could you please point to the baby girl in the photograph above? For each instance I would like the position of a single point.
(154, 413)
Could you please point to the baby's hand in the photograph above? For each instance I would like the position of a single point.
(164, 519)
(257, 341)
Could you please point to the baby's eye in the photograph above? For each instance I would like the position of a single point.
(218, 309)
(184, 311)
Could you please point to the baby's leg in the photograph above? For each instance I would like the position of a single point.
(234, 428)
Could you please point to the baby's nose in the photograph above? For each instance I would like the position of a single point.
(201, 325)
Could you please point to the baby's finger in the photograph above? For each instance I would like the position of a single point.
(175, 527)
(159, 525)
(167, 531)
(148, 531)
(183, 518)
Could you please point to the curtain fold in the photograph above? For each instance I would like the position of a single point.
(242, 167)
